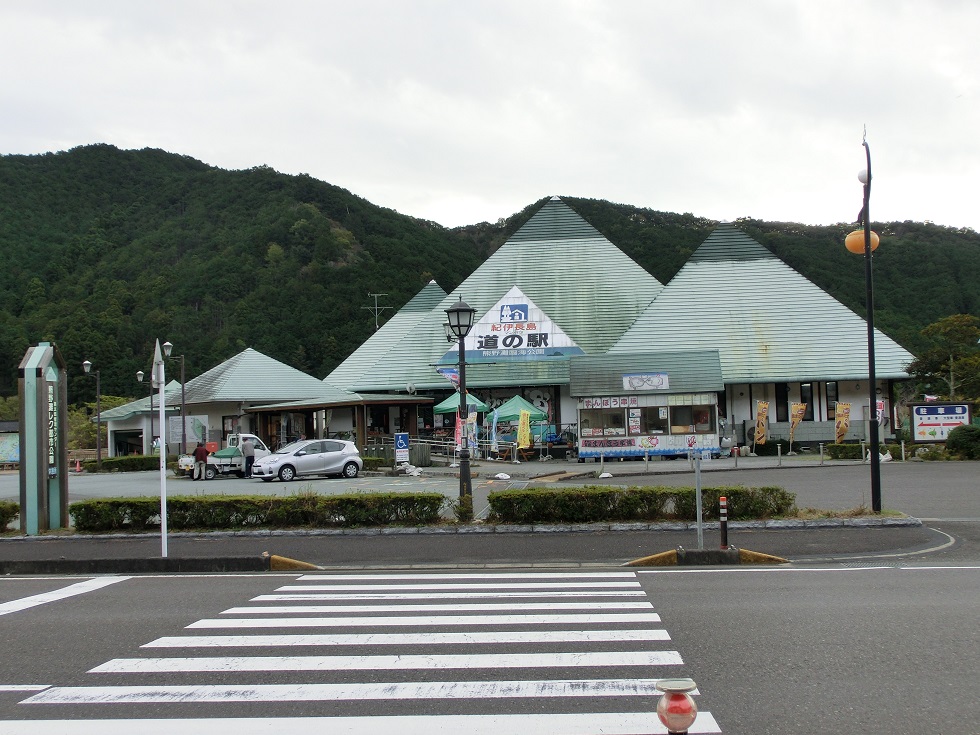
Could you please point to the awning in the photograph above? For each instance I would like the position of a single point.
(451, 404)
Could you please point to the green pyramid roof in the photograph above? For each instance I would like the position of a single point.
(364, 361)
(587, 286)
(768, 322)
(252, 377)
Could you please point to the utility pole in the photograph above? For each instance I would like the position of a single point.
(376, 310)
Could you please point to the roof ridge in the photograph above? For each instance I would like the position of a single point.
(555, 221)
(727, 242)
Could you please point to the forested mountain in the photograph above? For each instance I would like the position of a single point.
(107, 250)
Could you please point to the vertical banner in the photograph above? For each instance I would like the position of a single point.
(524, 430)
(880, 412)
(842, 422)
(762, 412)
(459, 432)
(494, 443)
(471, 427)
(797, 411)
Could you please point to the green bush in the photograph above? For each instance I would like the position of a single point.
(250, 511)
(744, 503)
(963, 442)
(8, 511)
(592, 504)
(853, 451)
(374, 464)
(129, 463)
(772, 447)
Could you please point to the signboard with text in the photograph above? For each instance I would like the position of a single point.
(932, 422)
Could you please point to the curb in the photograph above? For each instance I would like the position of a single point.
(480, 527)
(266, 562)
(681, 557)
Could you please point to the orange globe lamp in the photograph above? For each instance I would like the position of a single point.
(854, 242)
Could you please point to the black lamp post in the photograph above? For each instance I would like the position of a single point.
(460, 317)
(139, 377)
(167, 349)
(87, 366)
(865, 241)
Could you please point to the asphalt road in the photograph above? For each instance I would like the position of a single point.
(945, 495)
(878, 649)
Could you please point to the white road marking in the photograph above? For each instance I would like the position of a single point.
(496, 586)
(409, 690)
(389, 663)
(410, 639)
(421, 620)
(23, 688)
(483, 607)
(607, 723)
(312, 596)
(482, 575)
(80, 588)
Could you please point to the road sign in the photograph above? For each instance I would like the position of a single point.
(401, 447)
(932, 422)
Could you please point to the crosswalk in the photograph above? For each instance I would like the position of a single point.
(496, 653)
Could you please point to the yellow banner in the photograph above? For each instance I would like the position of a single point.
(797, 411)
(762, 411)
(842, 421)
(524, 430)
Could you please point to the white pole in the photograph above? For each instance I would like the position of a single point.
(160, 378)
(697, 494)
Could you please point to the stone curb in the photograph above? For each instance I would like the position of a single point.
(481, 528)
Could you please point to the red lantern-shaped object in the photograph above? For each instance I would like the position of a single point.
(854, 242)
(676, 708)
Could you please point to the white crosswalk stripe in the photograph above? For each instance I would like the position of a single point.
(553, 638)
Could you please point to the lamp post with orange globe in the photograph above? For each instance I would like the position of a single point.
(865, 241)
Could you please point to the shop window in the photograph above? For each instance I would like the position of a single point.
(692, 419)
(653, 420)
(806, 396)
(782, 401)
(602, 422)
(831, 389)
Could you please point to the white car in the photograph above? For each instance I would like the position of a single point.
(310, 457)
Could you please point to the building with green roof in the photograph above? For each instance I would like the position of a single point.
(565, 319)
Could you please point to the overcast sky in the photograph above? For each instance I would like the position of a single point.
(461, 111)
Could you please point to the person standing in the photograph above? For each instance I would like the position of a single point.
(248, 451)
(200, 462)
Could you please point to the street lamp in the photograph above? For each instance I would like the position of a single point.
(139, 377)
(460, 323)
(865, 241)
(87, 366)
(167, 349)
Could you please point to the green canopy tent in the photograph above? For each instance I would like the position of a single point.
(511, 409)
(451, 404)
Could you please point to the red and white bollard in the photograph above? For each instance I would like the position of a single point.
(676, 708)
(723, 518)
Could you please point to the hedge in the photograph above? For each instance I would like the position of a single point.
(8, 511)
(963, 442)
(252, 511)
(128, 463)
(853, 451)
(592, 504)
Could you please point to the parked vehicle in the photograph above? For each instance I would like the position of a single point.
(225, 461)
(310, 457)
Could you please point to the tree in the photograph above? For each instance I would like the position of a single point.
(952, 357)
(82, 425)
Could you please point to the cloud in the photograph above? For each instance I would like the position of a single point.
(462, 112)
